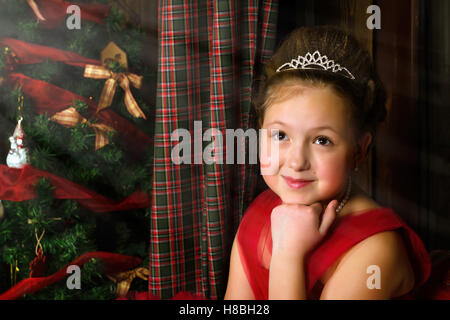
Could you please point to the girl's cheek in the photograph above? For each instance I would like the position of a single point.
(269, 157)
(332, 174)
(272, 182)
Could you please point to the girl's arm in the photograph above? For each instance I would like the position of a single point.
(238, 287)
(296, 229)
(287, 278)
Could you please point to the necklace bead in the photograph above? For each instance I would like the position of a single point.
(347, 196)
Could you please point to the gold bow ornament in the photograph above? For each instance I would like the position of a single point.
(70, 118)
(123, 79)
(124, 279)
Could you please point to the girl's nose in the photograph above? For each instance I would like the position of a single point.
(297, 158)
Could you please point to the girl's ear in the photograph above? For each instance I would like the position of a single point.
(362, 147)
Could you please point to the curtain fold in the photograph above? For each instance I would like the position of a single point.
(210, 52)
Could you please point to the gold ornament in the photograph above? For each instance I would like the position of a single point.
(110, 56)
(124, 279)
(70, 118)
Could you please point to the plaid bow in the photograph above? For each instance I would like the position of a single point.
(70, 118)
(124, 80)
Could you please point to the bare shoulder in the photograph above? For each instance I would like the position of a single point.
(385, 253)
(388, 248)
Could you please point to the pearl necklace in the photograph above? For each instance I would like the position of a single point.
(347, 196)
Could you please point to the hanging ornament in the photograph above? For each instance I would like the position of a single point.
(39, 264)
(18, 155)
(14, 268)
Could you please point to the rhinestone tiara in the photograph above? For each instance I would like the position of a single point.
(316, 61)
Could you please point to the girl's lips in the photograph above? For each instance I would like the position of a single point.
(296, 183)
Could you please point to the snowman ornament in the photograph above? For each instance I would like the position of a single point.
(18, 154)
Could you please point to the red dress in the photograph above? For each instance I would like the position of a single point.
(255, 244)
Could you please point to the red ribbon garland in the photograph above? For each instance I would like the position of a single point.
(29, 53)
(112, 263)
(18, 185)
(55, 11)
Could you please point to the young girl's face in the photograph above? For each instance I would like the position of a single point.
(316, 144)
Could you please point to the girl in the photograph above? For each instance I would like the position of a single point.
(316, 234)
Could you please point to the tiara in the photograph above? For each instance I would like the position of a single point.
(316, 61)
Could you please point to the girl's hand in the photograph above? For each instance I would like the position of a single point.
(297, 229)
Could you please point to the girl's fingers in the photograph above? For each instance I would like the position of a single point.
(317, 207)
(328, 217)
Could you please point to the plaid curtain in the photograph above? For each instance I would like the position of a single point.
(209, 53)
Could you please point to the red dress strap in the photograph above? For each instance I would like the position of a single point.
(255, 242)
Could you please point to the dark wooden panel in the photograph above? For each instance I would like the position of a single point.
(434, 111)
(397, 165)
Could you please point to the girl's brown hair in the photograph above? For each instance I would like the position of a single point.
(365, 94)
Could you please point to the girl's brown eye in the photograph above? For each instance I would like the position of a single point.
(324, 141)
(278, 135)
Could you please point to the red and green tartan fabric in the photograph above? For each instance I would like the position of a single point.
(209, 51)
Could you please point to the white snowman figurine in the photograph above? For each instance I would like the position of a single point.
(18, 154)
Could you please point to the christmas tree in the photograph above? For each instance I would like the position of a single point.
(83, 125)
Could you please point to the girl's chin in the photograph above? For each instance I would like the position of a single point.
(295, 199)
